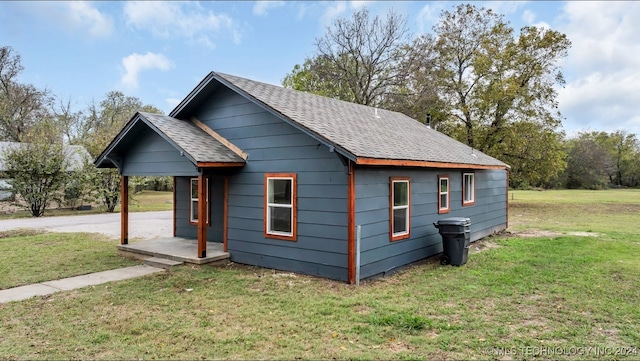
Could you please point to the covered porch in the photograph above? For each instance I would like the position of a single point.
(177, 249)
(195, 155)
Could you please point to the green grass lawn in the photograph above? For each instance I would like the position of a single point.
(33, 256)
(557, 297)
(144, 201)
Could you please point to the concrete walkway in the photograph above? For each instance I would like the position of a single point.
(72, 283)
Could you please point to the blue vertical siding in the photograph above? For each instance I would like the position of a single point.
(153, 156)
(277, 147)
(379, 255)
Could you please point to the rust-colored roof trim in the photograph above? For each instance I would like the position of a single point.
(220, 164)
(424, 164)
(220, 138)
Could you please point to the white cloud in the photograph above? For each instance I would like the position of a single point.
(180, 19)
(172, 102)
(136, 63)
(332, 11)
(428, 16)
(83, 15)
(504, 7)
(79, 17)
(262, 7)
(602, 70)
(529, 18)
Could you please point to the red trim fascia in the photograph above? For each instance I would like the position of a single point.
(220, 164)
(351, 225)
(424, 164)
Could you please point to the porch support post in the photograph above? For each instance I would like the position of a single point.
(202, 216)
(124, 209)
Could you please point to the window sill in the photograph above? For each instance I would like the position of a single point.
(400, 237)
(280, 237)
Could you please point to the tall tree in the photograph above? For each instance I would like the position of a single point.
(494, 82)
(96, 127)
(587, 163)
(21, 105)
(358, 59)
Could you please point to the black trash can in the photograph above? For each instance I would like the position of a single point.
(456, 236)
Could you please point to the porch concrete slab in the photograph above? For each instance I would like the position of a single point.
(162, 262)
(176, 249)
(50, 287)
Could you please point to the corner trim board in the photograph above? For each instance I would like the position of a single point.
(351, 225)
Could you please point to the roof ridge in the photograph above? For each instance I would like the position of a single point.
(306, 93)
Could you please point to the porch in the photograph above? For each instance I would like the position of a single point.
(177, 249)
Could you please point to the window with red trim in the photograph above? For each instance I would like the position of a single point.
(443, 194)
(400, 205)
(468, 189)
(280, 206)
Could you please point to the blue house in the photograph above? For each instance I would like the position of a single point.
(289, 180)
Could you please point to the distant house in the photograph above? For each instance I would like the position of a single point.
(284, 179)
(75, 156)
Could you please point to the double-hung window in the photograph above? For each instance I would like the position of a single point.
(193, 209)
(443, 194)
(400, 214)
(280, 206)
(468, 189)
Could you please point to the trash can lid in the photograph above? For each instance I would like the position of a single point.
(455, 221)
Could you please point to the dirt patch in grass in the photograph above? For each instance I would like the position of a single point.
(539, 233)
(483, 245)
(20, 233)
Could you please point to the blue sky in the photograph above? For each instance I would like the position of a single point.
(158, 51)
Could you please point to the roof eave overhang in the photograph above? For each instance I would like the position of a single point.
(105, 155)
(424, 164)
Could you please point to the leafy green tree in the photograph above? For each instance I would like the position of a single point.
(95, 128)
(496, 84)
(37, 168)
(587, 163)
(21, 105)
(624, 150)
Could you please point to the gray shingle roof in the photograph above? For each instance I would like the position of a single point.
(200, 146)
(363, 131)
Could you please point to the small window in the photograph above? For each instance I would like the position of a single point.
(193, 210)
(443, 194)
(468, 189)
(280, 206)
(400, 204)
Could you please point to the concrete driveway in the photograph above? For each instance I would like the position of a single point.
(142, 225)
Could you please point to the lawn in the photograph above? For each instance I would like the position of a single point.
(564, 296)
(33, 256)
(144, 201)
